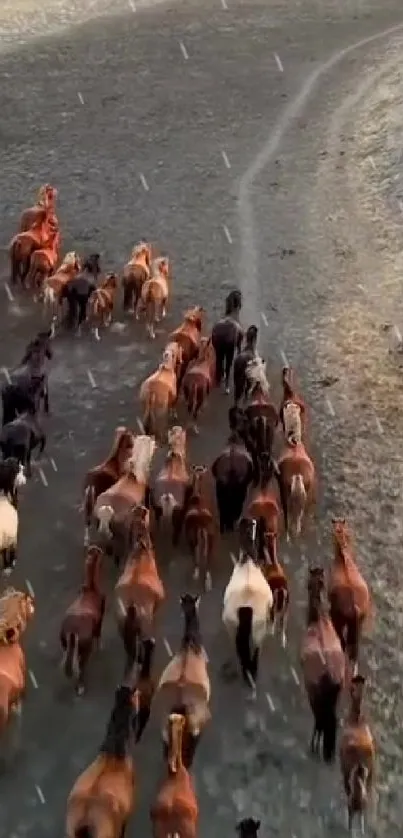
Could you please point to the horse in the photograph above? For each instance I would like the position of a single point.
(198, 380)
(357, 756)
(248, 828)
(349, 598)
(274, 574)
(188, 337)
(155, 292)
(245, 355)
(226, 338)
(20, 438)
(247, 604)
(261, 414)
(103, 476)
(12, 478)
(200, 525)
(16, 609)
(233, 472)
(78, 291)
(114, 504)
(158, 395)
(135, 274)
(43, 262)
(103, 796)
(292, 410)
(82, 623)
(175, 810)
(185, 682)
(45, 204)
(23, 245)
(9, 526)
(53, 286)
(101, 304)
(262, 501)
(143, 692)
(169, 491)
(323, 667)
(139, 590)
(296, 478)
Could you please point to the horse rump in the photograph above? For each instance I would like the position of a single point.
(323, 699)
(248, 658)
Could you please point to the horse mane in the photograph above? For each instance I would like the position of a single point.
(69, 261)
(13, 615)
(191, 640)
(142, 455)
(122, 435)
(117, 738)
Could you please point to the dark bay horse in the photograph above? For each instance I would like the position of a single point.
(226, 338)
(28, 385)
(78, 291)
(233, 472)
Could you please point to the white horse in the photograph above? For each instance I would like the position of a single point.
(8, 534)
(256, 375)
(292, 422)
(248, 601)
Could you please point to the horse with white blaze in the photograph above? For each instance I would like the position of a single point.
(248, 601)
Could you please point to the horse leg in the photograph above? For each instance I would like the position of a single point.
(128, 297)
(123, 830)
(220, 360)
(84, 654)
(9, 560)
(228, 361)
(177, 522)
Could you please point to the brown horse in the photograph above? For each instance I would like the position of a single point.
(52, 287)
(226, 337)
(103, 796)
(135, 273)
(139, 590)
(200, 525)
(292, 410)
(350, 602)
(82, 623)
(323, 667)
(262, 501)
(185, 683)
(260, 412)
(357, 756)
(170, 489)
(43, 263)
(102, 477)
(175, 810)
(198, 380)
(16, 609)
(158, 395)
(188, 337)
(155, 293)
(44, 206)
(274, 574)
(233, 473)
(101, 304)
(23, 245)
(296, 476)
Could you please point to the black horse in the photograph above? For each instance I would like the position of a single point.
(28, 388)
(241, 362)
(19, 438)
(233, 472)
(78, 291)
(226, 338)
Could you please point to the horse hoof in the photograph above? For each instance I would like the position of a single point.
(80, 690)
(283, 641)
(196, 574)
(195, 430)
(227, 391)
(209, 583)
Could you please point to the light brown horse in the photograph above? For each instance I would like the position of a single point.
(188, 337)
(323, 666)
(44, 206)
(81, 627)
(349, 598)
(43, 263)
(357, 756)
(139, 590)
(260, 412)
(262, 501)
(114, 505)
(101, 304)
(200, 525)
(275, 575)
(53, 285)
(103, 476)
(170, 488)
(103, 796)
(16, 609)
(155, 293)
(184, 686)
(175, 810)
(23, 245)
(135, 274)
(198, 381)
(297, 479)
(293, 409)
(158, 395)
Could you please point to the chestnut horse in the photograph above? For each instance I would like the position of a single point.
(43, 262)
(184, 685)
(82, 623)
(296, 477)
(198, 380)
(103, 796)
(262, 501)
(44, 206)
(113, 505)
(158, 395)
(323, 666)
(200, 525)
(171, 487)
(292, 410)
(23, 245)
(16, 609)
(135, 273)
(350, 602)
(357, 756)
(139, 590)
(175, 810)
(233, 472)
(155, 292)
(101, 304)
(274, 574)
(52, 287)
(188, 337)
(102, 477)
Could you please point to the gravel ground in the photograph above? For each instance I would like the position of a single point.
(257, 157)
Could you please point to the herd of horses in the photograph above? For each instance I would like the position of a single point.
(261, 485)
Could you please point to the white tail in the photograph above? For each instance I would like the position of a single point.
(297, 501)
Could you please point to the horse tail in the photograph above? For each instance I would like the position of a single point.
(353, 632)
(202, 549)
(149, 413)
(243, 643)
(324, 708)
(358, 787)
(71, 664)
(280, 597)
(260, 429)
(49, 296)
(4, 705)
(84, 832)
